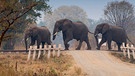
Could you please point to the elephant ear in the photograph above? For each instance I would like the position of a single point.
(105, 28)
(68, 27)
(34, 31)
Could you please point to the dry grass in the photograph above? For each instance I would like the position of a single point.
(14, 64)
(123, 58)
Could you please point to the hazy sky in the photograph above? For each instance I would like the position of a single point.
(93, 8)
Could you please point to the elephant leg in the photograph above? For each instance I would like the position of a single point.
(102, 41)
(119, 44)
(38, 43)
(88, 44)
(66, 44)
(43, 43)
(125, 44)
(79, 46)
(32, 42)
(49, 42)
(109, 44)
(66, 40)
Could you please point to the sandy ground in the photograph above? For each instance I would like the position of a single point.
(102, 63)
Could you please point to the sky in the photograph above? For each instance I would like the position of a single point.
(93, 8)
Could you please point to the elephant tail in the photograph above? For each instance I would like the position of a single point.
(90, 32)
(130, 41)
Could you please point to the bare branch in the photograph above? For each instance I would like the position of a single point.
(120, 13)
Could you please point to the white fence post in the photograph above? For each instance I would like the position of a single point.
(128, 51)
(39, 52)
(29, 54)
(44, 50)
(34, 53)
(127, 48)
(54, 48)
(133, 51)
(59, 48)
(124, 49)
(49, 49)
(34, 49)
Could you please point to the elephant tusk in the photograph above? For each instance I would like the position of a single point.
(55, 33)
(95, 35)
(27, 39)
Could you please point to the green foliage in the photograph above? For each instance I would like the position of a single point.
(74, 13)
(15, 15)
(9, 44)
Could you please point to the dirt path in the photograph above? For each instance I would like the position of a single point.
(102, 63)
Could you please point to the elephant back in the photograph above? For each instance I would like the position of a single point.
(80, 26)
(45, 30)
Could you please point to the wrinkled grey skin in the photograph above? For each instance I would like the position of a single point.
(72, 30)
(39, 34)
(110, 33)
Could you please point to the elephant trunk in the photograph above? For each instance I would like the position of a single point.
(56, 29)
(26, 43)
(96, 37)
(55, 32)
(54, 35)
(96, 33)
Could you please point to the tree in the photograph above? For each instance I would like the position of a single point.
(120, 14)
(73, 13)
(94, 23)
(15, 13)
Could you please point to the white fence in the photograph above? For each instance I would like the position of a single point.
(128, 50)
(46, 50)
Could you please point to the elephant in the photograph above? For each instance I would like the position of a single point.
(72, 30)
(110, 33)
(39, 34)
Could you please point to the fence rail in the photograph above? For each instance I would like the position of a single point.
(13, 51)
(46, 50)
(128, 50)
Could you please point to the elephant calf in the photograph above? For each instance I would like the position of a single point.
(39, 34)
(110, 33)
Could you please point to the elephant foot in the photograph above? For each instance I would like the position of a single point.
(66, 46)
(66, 49)
(119, 50)
(109, 49)
(89, 48)
(77, 49)
(98, 48)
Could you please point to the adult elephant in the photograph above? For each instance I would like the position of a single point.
(110, 33)
(39, 34)
(72, 30)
